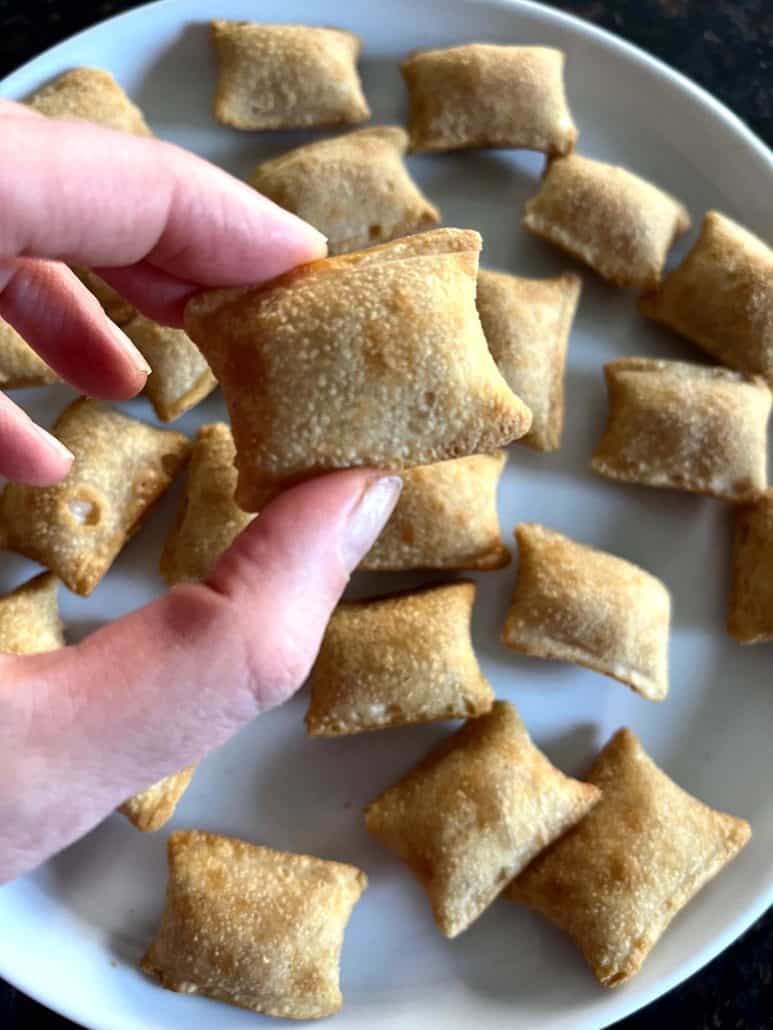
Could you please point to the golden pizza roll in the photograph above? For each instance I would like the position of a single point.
(181, 376)
(446, 518)
(577, 604)
(209, 520)
(92, 95)
(396, 661)
(527, 323)
(475, 813)
(687, 427)
(114, 305)
(618, 878)
(750, 618)
(375, 358)
(154, 807)
(480, 95)
(354, 188)
(286, 76)
(614, 221)
(721, 297)
(29, 617)
(254, 927)
(77, 527)
(20, 366)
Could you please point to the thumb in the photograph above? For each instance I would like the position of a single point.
(84, 728)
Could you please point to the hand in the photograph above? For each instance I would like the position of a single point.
(83, 728)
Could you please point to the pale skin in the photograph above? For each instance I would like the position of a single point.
(83, 728)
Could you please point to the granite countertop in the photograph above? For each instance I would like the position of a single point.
(726, 46)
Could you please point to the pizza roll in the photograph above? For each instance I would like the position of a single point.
(577, 604)
(750, 618)
(20, 366)
(115, 307)
(619, 224)
(618, 878)
(446, 518)
(721, 297)
(254, 927)
(475, 812)
(396, 661)
(209, 520)
(479, 95)
(92, 95)
(369, 359)
(286, 76)
(181, 376)
(527, 324)
(687, 427)
(77, 527)
(354, 188)
(29, 617)
(154, 807)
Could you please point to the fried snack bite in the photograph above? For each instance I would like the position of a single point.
(527, 323)
(91, 95)
(29, 617)
(181, 376)
(369, 359)
(475, 812)
(254, 927)
(618, 878)
(208, 520)
(286, 76)
(686, 427)
(480, 95)
(354, 188)
(721, 297)
(446, 518)
(20, 366)
(396, 661)
(617, 223)
(115, 307)
(154, 807)
(750, 616)
(577, 604)
(77, 527)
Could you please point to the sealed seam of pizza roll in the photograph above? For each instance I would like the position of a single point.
(375, 358)
(153, 807)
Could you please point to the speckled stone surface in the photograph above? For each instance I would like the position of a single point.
(726, 46)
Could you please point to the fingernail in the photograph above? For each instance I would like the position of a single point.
(52, 443)
(129, 349)
(368, 518)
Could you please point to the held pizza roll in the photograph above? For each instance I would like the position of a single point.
(92, 95)
(446, 518)
(619, 224)
(396, 661)
(479, 95)
(475, 813)
(181, 376)
(616, 880)
(29, 617)
(527, 324)
(209, 520)
(721, 297)
(115, 307)
(750, 619)
(354, 188)
(369, 359)
(254, 927)
(77, 527)
(286, 76)
(154, 807)
(687, 427)
(20, 367)
(577, 604)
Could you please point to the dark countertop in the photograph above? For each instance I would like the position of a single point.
(726, 46)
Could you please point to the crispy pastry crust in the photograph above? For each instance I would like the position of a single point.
(154, 807)
(29, 617)
(92, 95)
(750, 618)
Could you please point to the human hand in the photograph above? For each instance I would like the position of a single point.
(83, 728)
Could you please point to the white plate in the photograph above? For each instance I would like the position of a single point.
(73, 932)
